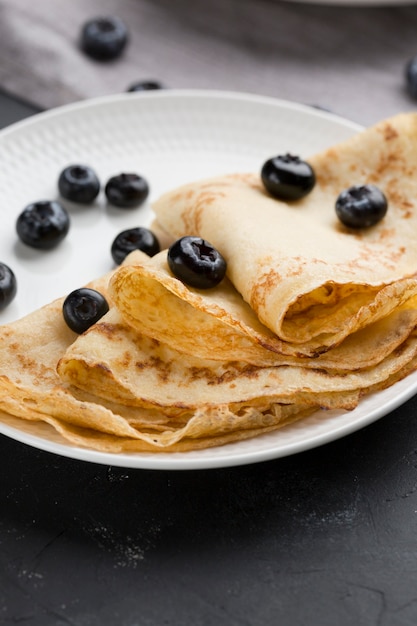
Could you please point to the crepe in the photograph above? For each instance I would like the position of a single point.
(311, 315)
(305, 275)
(31, 389)
(135, 370)
(219, 324)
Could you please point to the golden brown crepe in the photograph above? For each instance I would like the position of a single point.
(119, 364)
(219, 324)
(31, 389)
(305, 275)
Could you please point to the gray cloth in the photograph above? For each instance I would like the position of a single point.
(347, 59)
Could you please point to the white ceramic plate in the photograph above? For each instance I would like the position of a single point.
(170, 138)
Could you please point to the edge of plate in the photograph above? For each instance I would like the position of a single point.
(178, 94)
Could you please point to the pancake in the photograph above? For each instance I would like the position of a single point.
(306, 276)
(121, 364)
(31, 389)
(219, 324)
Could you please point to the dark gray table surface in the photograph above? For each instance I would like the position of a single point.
(326, 537)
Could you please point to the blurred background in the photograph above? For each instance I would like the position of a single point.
(345, 56)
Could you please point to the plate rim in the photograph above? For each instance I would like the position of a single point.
(219, 94)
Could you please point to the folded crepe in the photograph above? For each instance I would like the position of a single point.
(307, 277)
(310, 316)
(219, 324)
(31, 389)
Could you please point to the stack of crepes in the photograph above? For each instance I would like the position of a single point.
(311, 315)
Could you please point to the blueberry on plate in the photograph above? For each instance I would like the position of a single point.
(146, 85)
(411, 77)
(196, 262)
(139, 238)
(361, 206)
(126, 191)
(43, 224)
(82, 308)
(8, 285)
(104, 38)
(287, 177)
(79, 183)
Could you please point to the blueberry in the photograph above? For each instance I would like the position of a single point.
(8, 285)
(146, 85)
(411, 77)
(196, 262)
(361, 206)
(287, 177)
(104, 38)
(79, 183)
(43, 224)
(126, 190)
(82, 308)
(139, 238)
